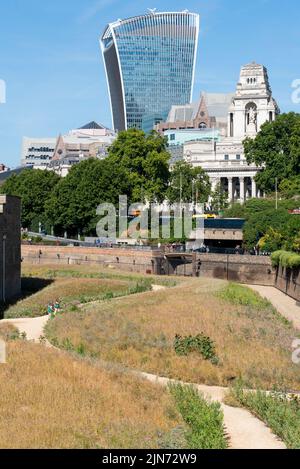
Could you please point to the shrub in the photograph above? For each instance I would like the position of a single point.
(279, 412)
(240, 295)
(290, 260)
(9, 332)
(204, 419)
(200, 344)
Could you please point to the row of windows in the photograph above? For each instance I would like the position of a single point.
(237, 157)
(40, 157)
(44, 149)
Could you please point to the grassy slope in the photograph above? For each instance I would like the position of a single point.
(92, 271)
(252, 341)
(49, 400)
(68, 290)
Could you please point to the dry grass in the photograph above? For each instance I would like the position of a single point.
(8, 331)
(68, 290)
(50, 400)
(251, 342)
(50, 271)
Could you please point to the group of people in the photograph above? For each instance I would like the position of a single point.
(53, 308)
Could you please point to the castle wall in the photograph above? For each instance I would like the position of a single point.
(10, 248)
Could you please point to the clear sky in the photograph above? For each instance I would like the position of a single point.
(51, 62)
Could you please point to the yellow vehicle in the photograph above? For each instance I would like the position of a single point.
(206, 216)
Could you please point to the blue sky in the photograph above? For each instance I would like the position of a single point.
(51, 62)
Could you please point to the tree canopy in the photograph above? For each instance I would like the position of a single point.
(144, 161)
(219, 199)
(73, 202)
(290, 187)
(188, 184)
(34, 187)
(276, 149)
(270, 228)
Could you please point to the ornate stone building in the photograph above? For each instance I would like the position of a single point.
(225, 162)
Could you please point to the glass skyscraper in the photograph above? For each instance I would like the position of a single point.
(150, 65)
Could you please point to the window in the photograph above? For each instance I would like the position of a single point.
(226, 157)
(172, 137)
(238, 157)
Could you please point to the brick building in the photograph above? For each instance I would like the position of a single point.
(10, 248)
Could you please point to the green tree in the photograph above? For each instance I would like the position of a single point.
(272, 229)
(219, 199)
(144, 161)
(34, 187)
(276, 148)
(188, 184)
(290, 187)
(73, 203)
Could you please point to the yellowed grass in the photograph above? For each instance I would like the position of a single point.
(67, 290)
(7, 331)
(251, 343)
(57, 270)
(50, 400)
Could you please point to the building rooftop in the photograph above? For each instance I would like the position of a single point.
(217, 105)
(92, 126)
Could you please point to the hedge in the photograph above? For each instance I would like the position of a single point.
(290, 260)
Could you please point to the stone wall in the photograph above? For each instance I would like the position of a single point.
(10, 248)
(244, 269)
(122, 258)
(288, 281)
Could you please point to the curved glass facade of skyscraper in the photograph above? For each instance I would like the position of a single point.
(150, 65)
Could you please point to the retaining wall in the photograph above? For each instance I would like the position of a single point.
(243, 269)
(124, 259)
(288, 281)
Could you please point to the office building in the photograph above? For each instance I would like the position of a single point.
(150, 65)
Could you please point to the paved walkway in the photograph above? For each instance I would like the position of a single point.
(243, 429)
(285, 305)
(32, 327)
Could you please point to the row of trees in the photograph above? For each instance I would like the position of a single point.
(137, 166)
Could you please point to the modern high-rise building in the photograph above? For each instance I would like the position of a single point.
(150, 65)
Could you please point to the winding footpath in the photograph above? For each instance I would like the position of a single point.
(287, 306)
(244, 431)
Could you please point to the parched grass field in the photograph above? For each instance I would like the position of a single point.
(50, 400)
(49, 271)
(73, 285)
(252, 341)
